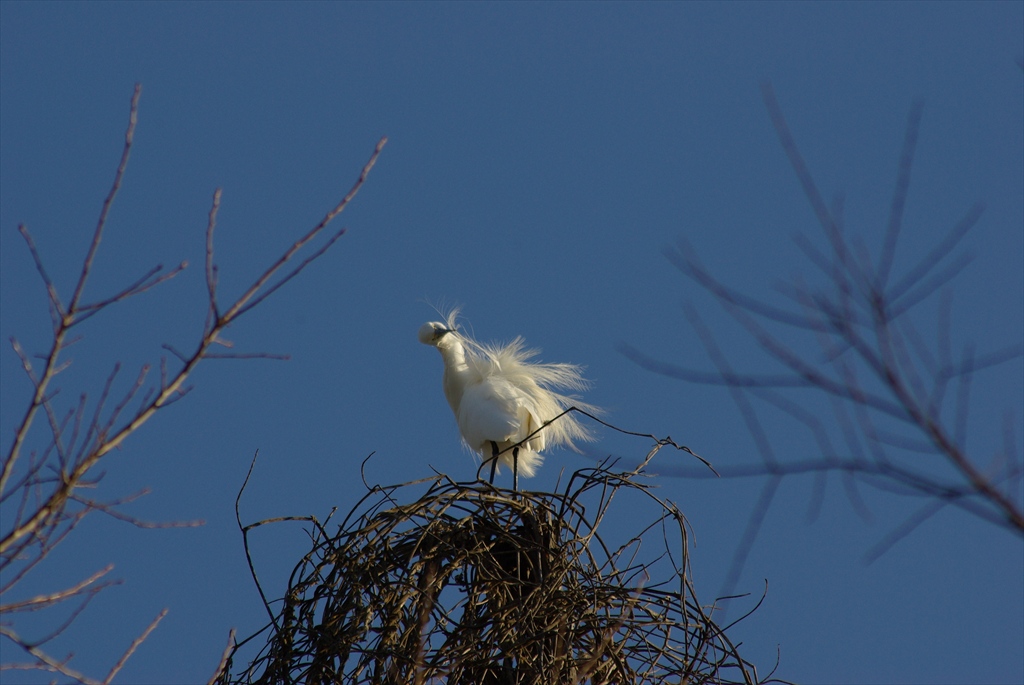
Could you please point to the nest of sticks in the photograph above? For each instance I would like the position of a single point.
(469, 584)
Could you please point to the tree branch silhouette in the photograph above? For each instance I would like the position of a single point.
(899, 403)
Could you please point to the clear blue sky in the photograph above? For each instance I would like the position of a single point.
(540, 158)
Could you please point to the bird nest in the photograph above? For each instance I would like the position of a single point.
(470, 584)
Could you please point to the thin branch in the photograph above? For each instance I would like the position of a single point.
(94, 245)
(243, 303)
(248, 355)
(211, 268)
(56, 307)
(46, 662)
(903, 530)
(926, 287)
(133, 646)
(803, 174)
(224, 659)
(109, 508)
(245, 541)
(738, 380)
(936, 254)
(294, 272)
(899, 196)
(174, 386)
(40, 601)
(147, 282)
(685, 259)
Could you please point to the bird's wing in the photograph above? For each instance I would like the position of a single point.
(494, 409)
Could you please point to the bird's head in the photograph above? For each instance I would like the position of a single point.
(436, 333)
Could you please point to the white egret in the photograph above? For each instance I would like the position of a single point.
(501, 399)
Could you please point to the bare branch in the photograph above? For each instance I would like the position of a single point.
(45, 661)
(56, 307)
(211, 268)
(243, 303)
(293, 273)
(166, 394)
(110, 509)
(224, 658)
(146, 282)
(41, 601)
(927, 287)
(134, 645)
(874, 365)
(248, 355)
(44, 501)
(899, 197)
(129, 137)
(936, 254)
(903, 530)
(685, 259)
(709, 377)
(803, 174)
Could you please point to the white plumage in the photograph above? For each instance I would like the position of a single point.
(499, 397)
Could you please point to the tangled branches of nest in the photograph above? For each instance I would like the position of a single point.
(470, 584)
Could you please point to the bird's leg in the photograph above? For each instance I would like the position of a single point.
(515, 469)
(494, 460)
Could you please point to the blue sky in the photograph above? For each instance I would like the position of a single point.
(541, 156)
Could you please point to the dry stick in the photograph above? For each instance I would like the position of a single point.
(245, 542)
(48, 661)
(46, 544)
(903, 530)
(245, 535)
(661, 442)
(936, 254)
(757, 432)
(685, 259)
(129, 136)
(137, 288)
(899, 197)
(911, 288)
(803, 174)
(240, 306)
(56, 307)
(211, 268)
(133, 646)
(109, 508)
(55, 597)
(927, 287)
(223, 658)
(90, 594)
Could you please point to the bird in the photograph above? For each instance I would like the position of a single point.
(502, 399)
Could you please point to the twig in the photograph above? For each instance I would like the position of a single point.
(133, 646)
(224, 659)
